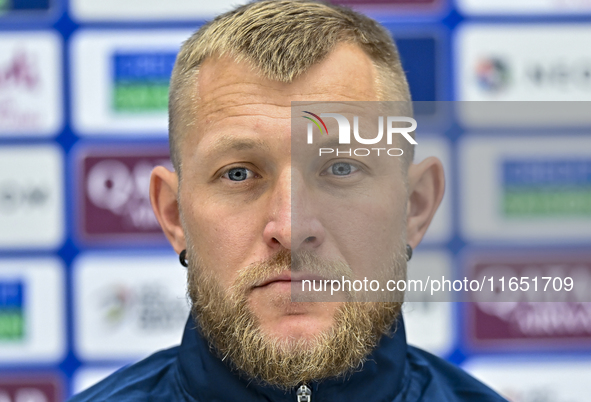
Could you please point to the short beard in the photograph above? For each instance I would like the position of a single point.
(234, 333)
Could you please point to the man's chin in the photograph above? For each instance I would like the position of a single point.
(296, 328)
(286, 321)
(286, 347)
(267, 336)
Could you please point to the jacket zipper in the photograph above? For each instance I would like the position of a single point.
(304, 394)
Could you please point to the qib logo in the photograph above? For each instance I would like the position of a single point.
(122, 191)
(345, 134)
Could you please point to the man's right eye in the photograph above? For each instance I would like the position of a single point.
(238, 174)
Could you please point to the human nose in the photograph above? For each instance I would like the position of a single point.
(292, 223)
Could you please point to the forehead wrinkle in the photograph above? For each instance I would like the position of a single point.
(260, 114)
(245, 110)
(279, 98)
(221, 110)
(243, 88)
(244, 85)
(241, 93)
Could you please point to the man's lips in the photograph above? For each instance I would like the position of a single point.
(278, 278)
(288, 277)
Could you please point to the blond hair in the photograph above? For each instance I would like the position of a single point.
(282, 39)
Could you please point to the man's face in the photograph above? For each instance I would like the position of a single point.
(256, 205)
(244, 198)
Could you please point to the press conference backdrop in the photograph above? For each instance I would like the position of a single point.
(87, 281)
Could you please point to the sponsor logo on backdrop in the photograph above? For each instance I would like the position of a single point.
(12, 311)
(146, 307)
(21, 71)
(19, 76)
(30, 77)
(31, 311)
(31, 388)
(140, 81)
(185, 10)
(120, 79)
(492, 74)
(547, 188)
(536, 318)
(565, 75)
(31, 198)
(115, 200)
(128, 306)
(15, 196)
(512, 7)
(507, 63)
(526, 190)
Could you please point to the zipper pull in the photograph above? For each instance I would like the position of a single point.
(304, 394)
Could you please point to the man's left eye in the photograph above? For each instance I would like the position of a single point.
(238, 174)
(341, 169)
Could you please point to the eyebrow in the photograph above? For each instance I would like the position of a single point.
(227, 143)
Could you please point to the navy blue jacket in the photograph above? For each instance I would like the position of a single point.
(395, 372)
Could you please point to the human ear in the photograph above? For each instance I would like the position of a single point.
(426, 185)
(163, 196)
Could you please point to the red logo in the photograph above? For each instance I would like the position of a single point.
(541, 319)
(30, 389)
(114, 202)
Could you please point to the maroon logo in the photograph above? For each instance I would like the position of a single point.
(114, 194)
(540, 319)
(19, 72)
(30, 389)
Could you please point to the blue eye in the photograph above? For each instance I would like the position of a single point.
(238, 174)
(342, 169)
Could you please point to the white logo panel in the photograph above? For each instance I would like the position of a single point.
(31, 197)
(523, 63)
(30, 84)
(528, 190)
(429, 325)
(524, 381)
(120, 81)
(518, 7)
(91, 10)
(128, 306)
(31, 311)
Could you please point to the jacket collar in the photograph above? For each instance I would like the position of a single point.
(207, 378)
